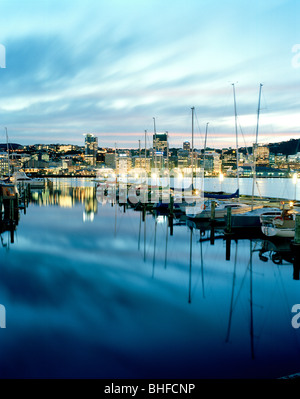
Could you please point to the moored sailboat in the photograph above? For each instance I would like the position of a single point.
(281, 226)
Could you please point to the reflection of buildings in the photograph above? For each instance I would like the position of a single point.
(67, 197)
(3, 164)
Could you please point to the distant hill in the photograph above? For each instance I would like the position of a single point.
(290, 147)
(12, 146)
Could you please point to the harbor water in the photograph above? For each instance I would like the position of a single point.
(91, 290)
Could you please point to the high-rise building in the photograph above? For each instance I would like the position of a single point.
(160, 143)
(186, 146)
(91, 148)
(160, 150)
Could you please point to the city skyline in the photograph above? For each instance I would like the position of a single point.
(108, 68)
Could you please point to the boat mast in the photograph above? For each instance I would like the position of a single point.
(193, 108)
(155, 160)
(145, 148)
(255, 146)
(7, 147)
(205, 142)
(140, 149)
(167, 133)
(236, 137)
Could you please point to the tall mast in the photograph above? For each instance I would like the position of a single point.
(167, 133)
(145, 146)
(7, 147)
(155, 161)
(116, 159)
(193, 108)
(205, 142)
(140, 150)
(255, 147)
(236, 137)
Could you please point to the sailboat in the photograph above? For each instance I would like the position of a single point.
(254, 217)
(20, 176)
(203, 210)
(8, 190)
(283, 225)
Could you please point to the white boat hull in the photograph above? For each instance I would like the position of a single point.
(272, 231)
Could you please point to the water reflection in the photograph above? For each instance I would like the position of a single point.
(139, 294)
(66, 196)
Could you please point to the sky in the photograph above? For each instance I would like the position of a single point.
(109, 67)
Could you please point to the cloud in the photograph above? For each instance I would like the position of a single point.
(109, 67)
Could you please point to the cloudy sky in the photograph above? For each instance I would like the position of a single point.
(109, 67)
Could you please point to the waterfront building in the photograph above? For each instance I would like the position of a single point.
(183, 158)
(110, 160)
(281, 161)
(123, 163)
(271, 159)
(262, 171)
(261, 155)
(228, 159)
(212, 163)
(91, 148)
(142, 163)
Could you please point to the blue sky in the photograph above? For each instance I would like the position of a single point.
(109, 66)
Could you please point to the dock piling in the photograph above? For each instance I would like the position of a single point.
(295, 246)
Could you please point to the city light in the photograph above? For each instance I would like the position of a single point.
(221, 179)
(295, 179)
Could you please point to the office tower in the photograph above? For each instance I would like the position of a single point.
(91, 147)
(186, 146)
(160, 143)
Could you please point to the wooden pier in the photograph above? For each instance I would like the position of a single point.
(12, 200)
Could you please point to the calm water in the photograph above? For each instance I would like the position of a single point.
(273, 187)
(93, 291)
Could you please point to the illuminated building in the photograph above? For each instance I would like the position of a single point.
(186, 146)
(91, 148)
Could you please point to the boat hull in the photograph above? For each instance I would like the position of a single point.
(192, 212)
(272, 231)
